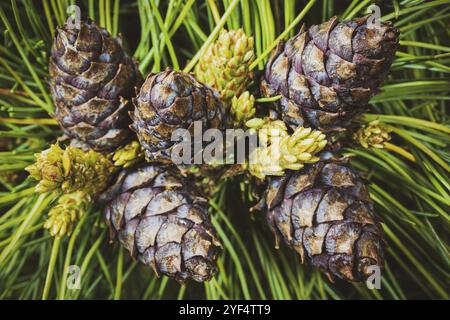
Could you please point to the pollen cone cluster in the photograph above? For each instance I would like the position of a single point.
(128, 155)
(162, 222)
(242, 109)
(92, 80)
(71, 169)
(281, 151)
(372, 135)
(328, 73)
(225, 65)
(69, 209)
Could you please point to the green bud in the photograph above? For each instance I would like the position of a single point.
(255, 123)
(372, 135)
(242, 108)
(128, 155)
(63, 217)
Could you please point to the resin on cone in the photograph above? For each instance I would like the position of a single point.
(91, 79)
(327, 74)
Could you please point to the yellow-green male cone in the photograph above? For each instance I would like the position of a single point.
(128, 155)
(372, 135)
(267, 130)
(63, 217)
(225, 65)
(283, 151)
(71, 169)
(242, 108)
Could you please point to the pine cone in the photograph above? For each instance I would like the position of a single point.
(325, 213)
(225, 66)
(168, 101)
(327, 74)
(162, 222)
(91, 77)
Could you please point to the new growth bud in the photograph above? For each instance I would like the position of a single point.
(372, 135)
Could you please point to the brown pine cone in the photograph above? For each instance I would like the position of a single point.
(168, 101)
(325, 213)
(328, 73)
(91, 77)
(161, 221)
